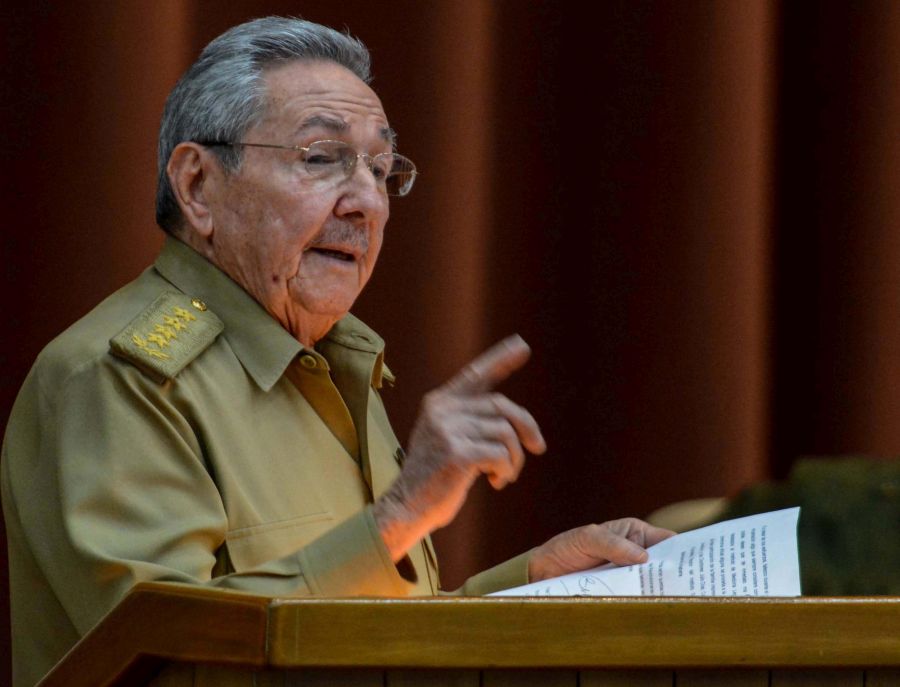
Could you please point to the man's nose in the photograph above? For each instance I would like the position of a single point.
(365, 164)
(361, 192)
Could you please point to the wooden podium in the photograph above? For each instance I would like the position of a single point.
(493, 641)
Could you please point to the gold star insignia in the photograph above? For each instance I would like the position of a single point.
(184, 314)
(174, 322)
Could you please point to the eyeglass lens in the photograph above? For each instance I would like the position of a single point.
(393, 172)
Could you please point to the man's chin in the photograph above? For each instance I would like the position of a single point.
(333, 304)
(327, 291)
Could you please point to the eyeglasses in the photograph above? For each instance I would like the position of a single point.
(393, 173)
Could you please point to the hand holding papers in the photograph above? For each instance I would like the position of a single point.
(752, 556)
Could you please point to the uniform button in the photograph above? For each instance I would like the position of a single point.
(197, 303)
(308, 362)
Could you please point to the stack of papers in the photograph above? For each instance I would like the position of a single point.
(752, 556)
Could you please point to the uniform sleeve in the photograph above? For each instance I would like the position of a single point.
(511, 573)
(108, 480)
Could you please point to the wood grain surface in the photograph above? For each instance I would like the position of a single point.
(494, 642)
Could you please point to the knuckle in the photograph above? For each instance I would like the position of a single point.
(469, 376)
(507, 433)
(495, 453)
(628, 526)
(457, 446)
(498, 399)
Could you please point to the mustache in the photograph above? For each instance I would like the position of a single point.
(342, 234)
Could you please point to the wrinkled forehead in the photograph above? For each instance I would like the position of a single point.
(309, 98)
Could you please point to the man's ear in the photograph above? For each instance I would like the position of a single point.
(192, 169)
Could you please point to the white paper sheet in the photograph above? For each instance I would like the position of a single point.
(752, 556)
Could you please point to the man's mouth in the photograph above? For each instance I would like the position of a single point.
(334, 253)
(340, 241)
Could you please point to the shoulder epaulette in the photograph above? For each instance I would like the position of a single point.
(163, 339)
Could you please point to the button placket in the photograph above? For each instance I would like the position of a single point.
(310, 374)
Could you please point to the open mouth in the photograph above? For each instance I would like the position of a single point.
(334, 254)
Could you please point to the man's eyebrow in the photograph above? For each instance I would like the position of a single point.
(324, 122)
(339, 126)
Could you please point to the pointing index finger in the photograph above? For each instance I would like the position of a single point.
(491, 367)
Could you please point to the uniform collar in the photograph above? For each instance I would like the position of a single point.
(263, 346)
(351, 333)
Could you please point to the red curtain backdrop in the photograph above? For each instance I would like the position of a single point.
(688, 209)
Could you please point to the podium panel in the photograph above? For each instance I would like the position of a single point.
(169, 635)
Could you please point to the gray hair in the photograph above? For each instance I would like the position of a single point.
(223, 93)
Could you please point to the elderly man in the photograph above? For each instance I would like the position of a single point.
(217, 421)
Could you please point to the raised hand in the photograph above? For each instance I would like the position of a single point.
(464, 429)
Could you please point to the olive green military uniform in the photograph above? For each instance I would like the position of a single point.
(179, 433)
